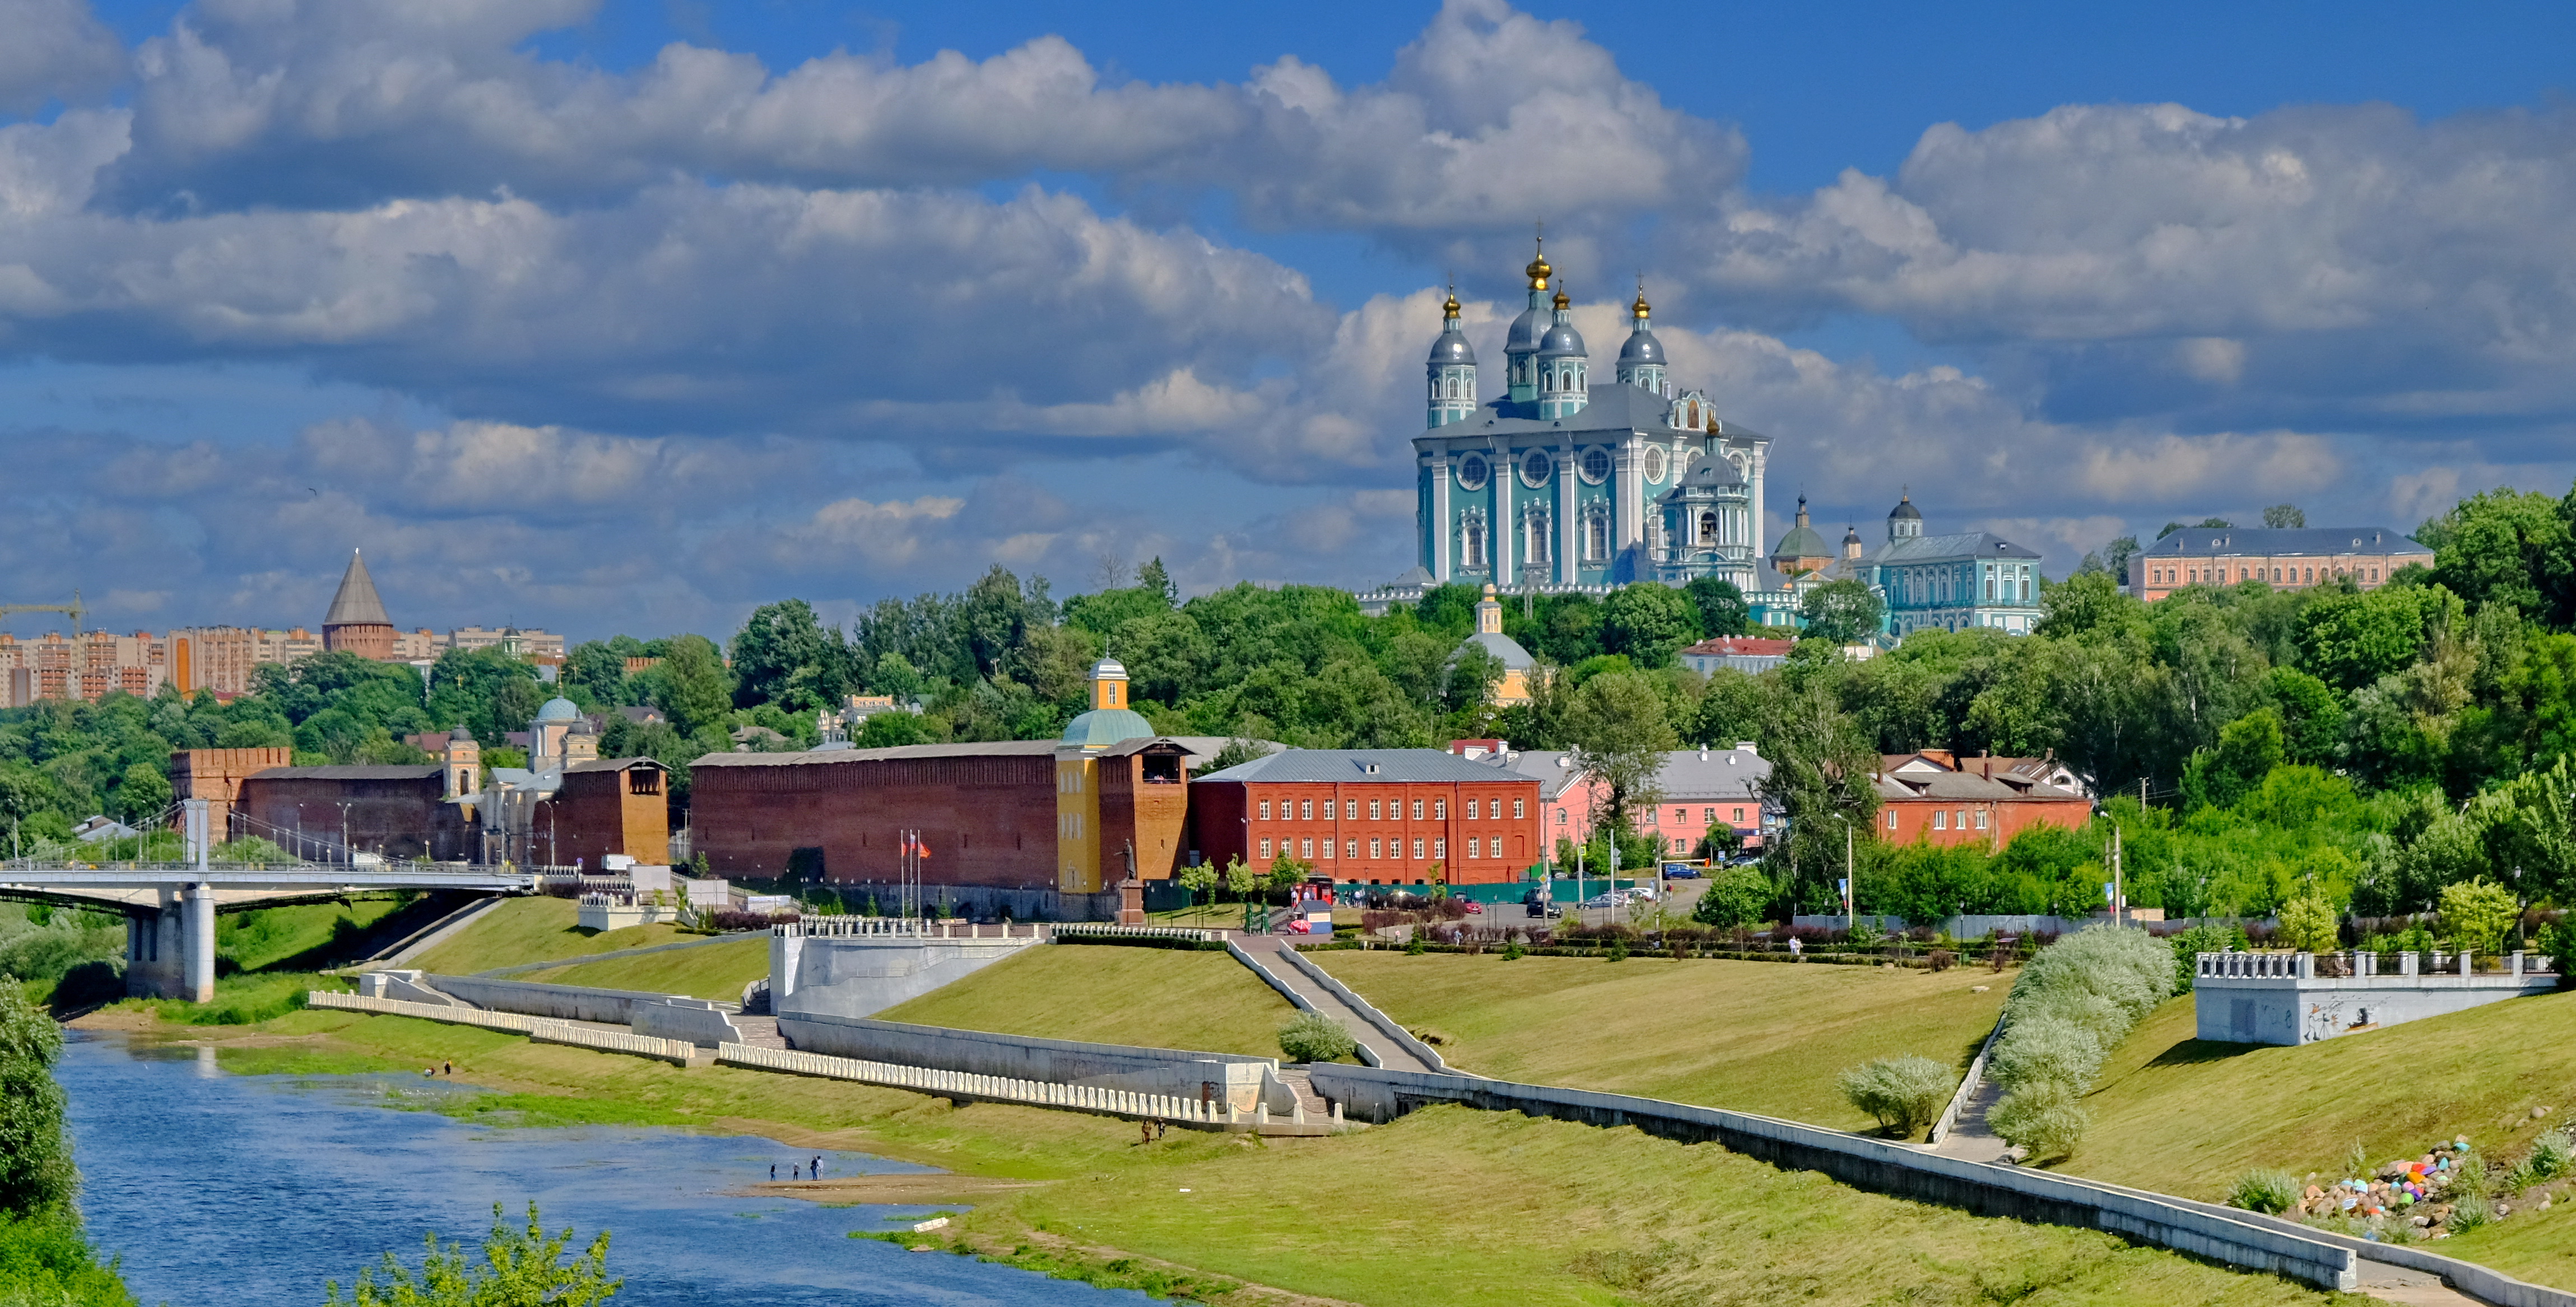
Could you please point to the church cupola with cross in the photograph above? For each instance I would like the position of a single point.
(1452, 370)
(1641, 360)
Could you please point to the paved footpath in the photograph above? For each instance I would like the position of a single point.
(1390, 1054)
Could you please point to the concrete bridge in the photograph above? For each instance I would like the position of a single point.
(170, 908)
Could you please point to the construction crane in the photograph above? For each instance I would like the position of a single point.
(73, 610)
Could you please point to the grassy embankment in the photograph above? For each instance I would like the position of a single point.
(1445, 1207)
(1161, 998)
(716, 971)
(534, 929)
(2183, 1116)
(1761, 1037)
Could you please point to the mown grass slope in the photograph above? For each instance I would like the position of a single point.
(1105, 994)
(1448, 1206)
(539, 928)
(717, 971)
(2182, 1116)
(1761, 1037)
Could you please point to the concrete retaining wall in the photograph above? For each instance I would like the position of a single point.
(404, 985)
(1247, 1082)
(861, 975)
(1187, 1111)
(2276, 998)
(537, 1029)
(693, 1020)
(561, 1002)
(1386, 1025)
(1980, 1187)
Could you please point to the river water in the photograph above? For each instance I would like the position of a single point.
(221, 1189)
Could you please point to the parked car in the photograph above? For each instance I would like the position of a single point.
(1603, 901)
(1474, 909)
(1640, 893)
(1680, 871)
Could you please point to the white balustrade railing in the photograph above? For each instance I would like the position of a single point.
(2364, 965)
(1140, 932)
(999, 1089)
(892, 1075)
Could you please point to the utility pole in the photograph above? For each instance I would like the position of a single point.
(1851, 890)
(2119, 893)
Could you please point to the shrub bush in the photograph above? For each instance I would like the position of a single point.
(2552, 1155)
(2046, 1048)
(1906, 1094)
(2042, 1116)
(2265, 1190)
(1312, 1037)
(2188, 944)
(44, 1259)
(2469, 1213)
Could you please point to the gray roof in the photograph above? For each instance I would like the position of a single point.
(1561, 341)
(1707, 471)
(1905, 509)
(2283, 541)
(1505, 650)
(358, 772)
(1642, 347)
(1688, 777)
(1452, 347)
(1615, 407)
(982, 749)
(1526, 330)
(1802, 541)
(1940, 549)
(558, 710)
(356, 604)
(1966, 786)
(615, 764)
(1327, 765)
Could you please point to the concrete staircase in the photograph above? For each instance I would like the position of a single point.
(760, 1032)
(1301, 1083)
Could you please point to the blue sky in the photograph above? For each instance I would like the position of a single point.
(615, 315)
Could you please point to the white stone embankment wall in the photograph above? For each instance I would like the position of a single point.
(1246, 1082)
(1987, 1189)
(693, 1019)
(561, 1002)
(862, 975)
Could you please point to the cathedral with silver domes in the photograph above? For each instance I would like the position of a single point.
(1564, 484)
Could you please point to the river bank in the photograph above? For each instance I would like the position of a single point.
(1447, 1206)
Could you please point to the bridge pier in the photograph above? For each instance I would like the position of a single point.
(156, 949)
(200, 925)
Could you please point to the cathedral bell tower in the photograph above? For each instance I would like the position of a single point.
(1452, 370)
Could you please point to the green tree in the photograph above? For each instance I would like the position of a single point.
(1240, 878)
(2351, 640)
(2477, 913)
(2312, 718)
(1842, 611)
(1621, 730)
(515, 702)
(1821, 766)
(885, 730)
(1736, 896)
(1722, 610)
(597, 666)
(694, 692)
(518, 1267)
(1648, 622)
(783, 655)
(2248, 749)
(1154, 578)
(2509, 547)
(463, 683)
(1199, 879)
(143, 793)
(2308, 924)
(2284, 515)
(36, 1173)
(2082, 604)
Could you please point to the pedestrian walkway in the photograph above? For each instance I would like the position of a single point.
(759, 1032)
(1969, 1138)
(1390, 1054)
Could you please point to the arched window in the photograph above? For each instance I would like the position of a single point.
(1596, 537)
(1708, 527)
(1453, 387)
(1693, 422)
(1534, 528)
(1547, 381)
(1472, 545)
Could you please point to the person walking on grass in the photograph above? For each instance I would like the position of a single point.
(816, 1170)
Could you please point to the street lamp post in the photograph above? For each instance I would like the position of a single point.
(346, 857)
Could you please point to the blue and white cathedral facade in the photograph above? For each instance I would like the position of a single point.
(1562, 484)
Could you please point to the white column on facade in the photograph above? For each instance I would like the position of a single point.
(1501, 546)
(1440, 532)
(1568, 531)
(1628, 487)
(1753, 469)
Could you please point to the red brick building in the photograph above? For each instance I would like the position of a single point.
(216, 775)
(397, 811)
(611, 805)
(1005, 814)
(1378, 816)
(1982, 801)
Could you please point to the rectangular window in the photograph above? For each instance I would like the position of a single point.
(1681, 816)
(1739, 817)
(1708, 816)
(1440, 810)
(1377, 848)
(1891, 819)
(1680, 847)
(1439, 848)
(1940, 821)
(1473, 807)
(1265, 809)
(1473, 844)
(1981, 820)
(1417, 850)
(1373, 813)
(1307, 807)
(1351, 848)
(1265, 850)
(1520, 809)
(1417, 809)
(1654, 816)
(1560, 816)
(1308, 845)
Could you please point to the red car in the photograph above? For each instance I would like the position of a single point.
(1475, 909)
